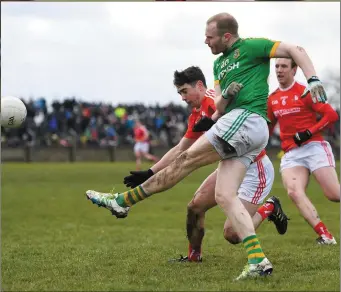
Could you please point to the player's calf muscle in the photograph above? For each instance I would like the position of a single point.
(194, 230)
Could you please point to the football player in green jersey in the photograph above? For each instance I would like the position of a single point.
(236, 138)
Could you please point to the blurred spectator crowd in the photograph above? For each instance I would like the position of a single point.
(95, 124)
(91, 124)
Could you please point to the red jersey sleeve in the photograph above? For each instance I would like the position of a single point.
(193, 118)
(329, 115)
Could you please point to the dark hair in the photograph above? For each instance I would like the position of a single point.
(293, 64)
(225, 23)
(191, 76)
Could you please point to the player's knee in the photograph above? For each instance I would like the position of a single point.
(219, 196)
(193, 159)
(231, 236)
(196, 205)
(223, 197)
(184, 159)
(295, 194)
(191, 207)
(194, 208)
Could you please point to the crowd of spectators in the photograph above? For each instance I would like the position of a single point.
(92, 124)
(95, 124)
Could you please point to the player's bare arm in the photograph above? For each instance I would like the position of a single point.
(299, 55)
(216, 116)
(224, 100)
(301, 58)
(219, 103)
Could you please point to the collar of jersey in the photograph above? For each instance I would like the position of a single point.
(289, 87)
(233, 47)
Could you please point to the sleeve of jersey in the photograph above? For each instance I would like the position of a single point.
(329, 116)
(189, 133)
(262, 47)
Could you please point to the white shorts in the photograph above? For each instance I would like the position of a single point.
(141, 147)
(312, 156)
(258, 181)
(245, 131)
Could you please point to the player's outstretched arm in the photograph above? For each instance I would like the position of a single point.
(301, 58)
(299, 55)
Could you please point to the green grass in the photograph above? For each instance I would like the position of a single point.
(55, 239)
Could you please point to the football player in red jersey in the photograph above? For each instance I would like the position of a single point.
(256, 186)
(306, 152)
(141, 147)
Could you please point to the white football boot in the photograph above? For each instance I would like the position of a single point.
(107, 200)
(264, 268)
(324, 240)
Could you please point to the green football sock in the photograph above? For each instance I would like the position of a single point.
(254, 251)
(131, 197)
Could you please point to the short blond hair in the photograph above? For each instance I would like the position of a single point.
(226, 23)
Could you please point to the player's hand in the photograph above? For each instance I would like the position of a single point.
(301, 137)
(316, 89)
(204, 124)
(232, 90)
(137, 177)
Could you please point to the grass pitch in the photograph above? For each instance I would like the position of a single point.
(55, 239)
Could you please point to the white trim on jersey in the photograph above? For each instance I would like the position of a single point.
(210, 93)
(289, 87)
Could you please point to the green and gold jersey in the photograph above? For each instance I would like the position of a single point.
(247, 62)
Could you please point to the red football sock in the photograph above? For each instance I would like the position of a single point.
(266, 210)
(193, 255)
(320, 229)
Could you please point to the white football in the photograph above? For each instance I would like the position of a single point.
(13, 112)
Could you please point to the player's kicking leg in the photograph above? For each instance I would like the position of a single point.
(201, 153)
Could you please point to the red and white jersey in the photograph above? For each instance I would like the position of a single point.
(296, 114)
(141, 134)
(207, 109)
